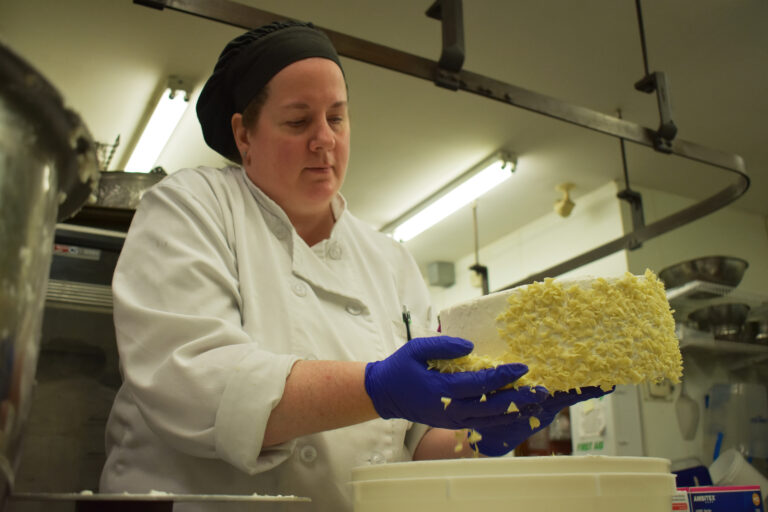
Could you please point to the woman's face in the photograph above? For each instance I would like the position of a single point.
(299, 146)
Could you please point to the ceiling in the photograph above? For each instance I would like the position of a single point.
(108, 58)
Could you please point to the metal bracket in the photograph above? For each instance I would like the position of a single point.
(154, 4)
(657, 81)
(451, 15)
(482, 271)
(635, 201)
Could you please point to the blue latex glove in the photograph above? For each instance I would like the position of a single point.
(504, 437)
(401, 386)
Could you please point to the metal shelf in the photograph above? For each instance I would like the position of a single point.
(151, 502)
(723, 347)
(683, 298)
(739, 355)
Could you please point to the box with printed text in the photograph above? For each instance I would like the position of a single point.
(725, 499)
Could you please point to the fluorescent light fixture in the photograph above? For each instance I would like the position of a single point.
(456, 194)
(161, 124)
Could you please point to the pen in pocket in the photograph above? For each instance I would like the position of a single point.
(407, 322)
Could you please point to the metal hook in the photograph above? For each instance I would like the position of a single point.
(451, 15)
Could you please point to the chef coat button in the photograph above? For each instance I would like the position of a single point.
(334, 251)
(307, 453)
(300, 289)
(377, 458)
(353, 309)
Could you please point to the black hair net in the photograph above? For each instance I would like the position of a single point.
(245, 66)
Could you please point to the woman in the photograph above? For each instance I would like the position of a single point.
(259, 322)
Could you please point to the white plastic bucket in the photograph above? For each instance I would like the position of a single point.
(589, 483)
(731, 468)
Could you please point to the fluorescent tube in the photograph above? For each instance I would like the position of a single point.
(161, 125)
(455, 195)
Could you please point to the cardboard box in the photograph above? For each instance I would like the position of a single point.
(745, 498)
(680, 501)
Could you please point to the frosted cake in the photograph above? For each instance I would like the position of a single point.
(571, 333)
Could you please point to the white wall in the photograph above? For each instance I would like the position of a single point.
(600, 217)
(549, 240)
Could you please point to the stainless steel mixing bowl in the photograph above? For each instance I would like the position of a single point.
(725, 321)
(722, 270)
(48, 169)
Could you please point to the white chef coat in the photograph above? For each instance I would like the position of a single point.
(215, 298)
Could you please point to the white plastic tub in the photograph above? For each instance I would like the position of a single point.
(547, 484)
(731, 468)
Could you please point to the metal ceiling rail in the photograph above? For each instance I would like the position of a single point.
(246, 17)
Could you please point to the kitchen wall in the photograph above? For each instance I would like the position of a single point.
(549, 240)
(599, 217)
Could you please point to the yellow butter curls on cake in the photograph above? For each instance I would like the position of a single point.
(571, 334)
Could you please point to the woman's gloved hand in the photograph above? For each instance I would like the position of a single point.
(504, 437)
(401, 386)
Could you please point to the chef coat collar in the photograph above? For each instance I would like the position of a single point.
(307, 262)
(338, 206)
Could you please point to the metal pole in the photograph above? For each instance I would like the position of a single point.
(239, 15)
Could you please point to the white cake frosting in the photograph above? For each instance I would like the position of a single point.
(571, 333)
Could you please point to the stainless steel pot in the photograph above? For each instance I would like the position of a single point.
(48, 169)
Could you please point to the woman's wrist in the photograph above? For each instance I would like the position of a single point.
(319, 396)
